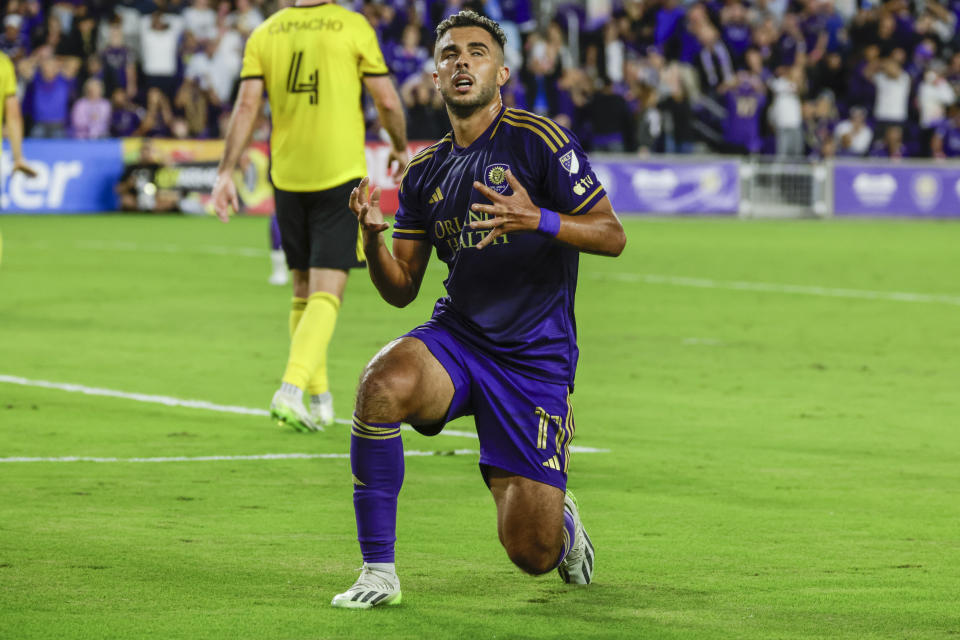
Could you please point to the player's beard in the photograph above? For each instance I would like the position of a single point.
(465, 106)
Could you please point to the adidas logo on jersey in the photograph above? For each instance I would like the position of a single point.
(436, 197)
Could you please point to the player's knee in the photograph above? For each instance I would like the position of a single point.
(385, 394)
(531, 555)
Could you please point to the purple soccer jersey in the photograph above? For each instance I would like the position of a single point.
(514, 299)
(744, 107)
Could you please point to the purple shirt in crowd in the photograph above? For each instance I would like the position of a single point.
(90, 118)
(950, 133)
(123, 122)
(115, 60)
(51, 99)
(744, 106)
(404, 64)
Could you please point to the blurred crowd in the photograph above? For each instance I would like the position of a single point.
(795, 78)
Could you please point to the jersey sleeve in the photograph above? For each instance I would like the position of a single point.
(252, 62)
(8, 78)
(410, 222)
(371, 61)
(569, 181)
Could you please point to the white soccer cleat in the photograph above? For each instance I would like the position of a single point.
(321, 409)
(577, 567)
(372, 589)
(281, 273)
(288, 410)
(279, 278)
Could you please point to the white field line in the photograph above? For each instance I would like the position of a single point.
(774, 287)
(265, 456)
(209, 406)
(646, 278)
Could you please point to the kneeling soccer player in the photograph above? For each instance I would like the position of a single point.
(502, 345)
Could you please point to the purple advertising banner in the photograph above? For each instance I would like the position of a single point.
(637, 186)
(897, 190)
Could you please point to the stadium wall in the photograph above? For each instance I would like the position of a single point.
(80, 177)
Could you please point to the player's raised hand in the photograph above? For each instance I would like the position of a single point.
(367, 209)
(225, 197)
(510, 213)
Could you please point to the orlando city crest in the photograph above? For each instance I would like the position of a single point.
(495, 177)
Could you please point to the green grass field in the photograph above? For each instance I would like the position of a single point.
(783, 457)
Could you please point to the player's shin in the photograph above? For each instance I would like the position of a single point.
(569, 537)
(376, 458)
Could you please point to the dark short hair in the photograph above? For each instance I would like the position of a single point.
(473, 19)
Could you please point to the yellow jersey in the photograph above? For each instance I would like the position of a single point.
(8, 83)
(312, 60)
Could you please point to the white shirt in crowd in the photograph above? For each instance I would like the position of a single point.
(785, 112)
(859, 141)
(934, 95)
(226, 64)
(201, 22)
(893, 96)
(158, 47)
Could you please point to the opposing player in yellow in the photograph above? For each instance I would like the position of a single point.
(11, 117)
(312, 60)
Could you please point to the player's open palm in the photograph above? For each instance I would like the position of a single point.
(515, 212)
(367, 209)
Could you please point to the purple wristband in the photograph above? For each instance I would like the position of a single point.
(549, 224)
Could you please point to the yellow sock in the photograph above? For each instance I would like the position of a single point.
(296, 312)
(308, 347)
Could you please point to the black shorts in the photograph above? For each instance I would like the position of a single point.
(317, 228)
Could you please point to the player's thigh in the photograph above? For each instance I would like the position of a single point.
(294, 231)
(528, 511)
(405, 381)
(334, 232)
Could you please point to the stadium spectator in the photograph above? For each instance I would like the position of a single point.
(609, 120)
(81, 40)
(48, 93)
(426, 115)
(90, 116)
(159, 37)
(786, 114)
(13, 41)
(891, 146)
(407, 59)
(854, 136)
(744, 98)
(819, 122)
(934, 96)
(200, 20)
(158, 117)
(120, 70)
(246, 18)
(945, 142)
(125, 116)
(893, 91)
(714, 62)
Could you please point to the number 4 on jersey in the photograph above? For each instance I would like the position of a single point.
(295, 85)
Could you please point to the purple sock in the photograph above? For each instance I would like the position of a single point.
(376, 458)
(274, 233)
(569, 536)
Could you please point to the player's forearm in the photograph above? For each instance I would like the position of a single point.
(15, 128)
(595, 232)
(238, 135)
(389, 275)
(393, 120)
